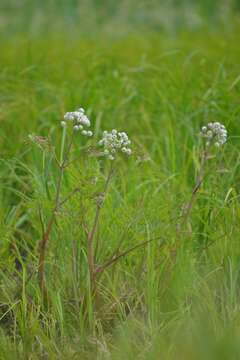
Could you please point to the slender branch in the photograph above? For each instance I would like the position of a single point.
(87, 150)
(200, 178)
(41, 220)
(91, 235)
(73, 192)
(114, 259)
(45, 238)
(119, 244)
(85, 228)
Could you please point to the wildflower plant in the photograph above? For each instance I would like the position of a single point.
(75, 121)
(214, 135)
(113, 143)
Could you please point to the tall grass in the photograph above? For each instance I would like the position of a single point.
(154, 303)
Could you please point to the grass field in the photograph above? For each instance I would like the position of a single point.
(174, 294)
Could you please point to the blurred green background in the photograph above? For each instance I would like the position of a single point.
(114, 17)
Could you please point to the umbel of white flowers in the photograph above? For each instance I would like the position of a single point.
(78, 120)
(114, 142)
(215, 134)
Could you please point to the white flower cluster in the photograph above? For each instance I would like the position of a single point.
(79, 121)
(113, 142)
(215, 134)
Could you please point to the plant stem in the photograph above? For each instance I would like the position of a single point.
(117, 257)
(188, 208)
(45, 238)
(91, 236)
(47, 232)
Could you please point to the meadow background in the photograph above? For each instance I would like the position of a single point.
(158, 70)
